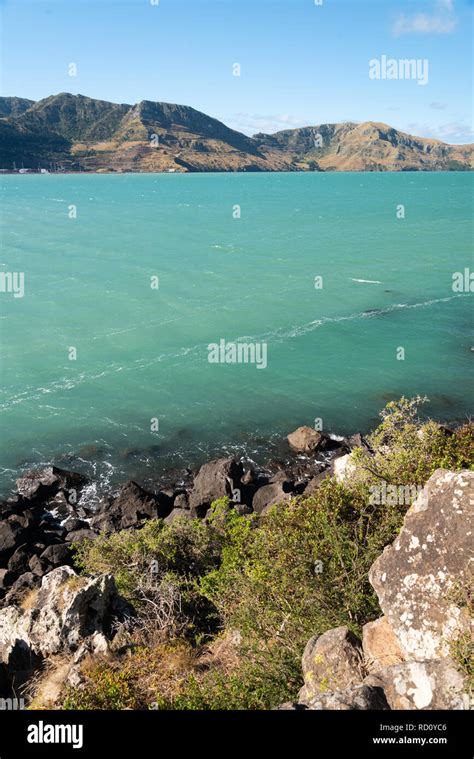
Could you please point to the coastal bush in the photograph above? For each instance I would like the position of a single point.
(295, 572)
(188, 547)
(155, 569)
(303, 571)
(406, 450)
(106, 688)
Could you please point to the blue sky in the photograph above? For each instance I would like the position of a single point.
(300, 63)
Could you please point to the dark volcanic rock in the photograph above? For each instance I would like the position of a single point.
(38, 566)
(251, 481)
(63, 506)
(72, 524)
(57, 555)
(186, 513)
(132, 505)
(75, 536)
(356, 441)
(181, 501)
(270, 495)
(214, 480)
(18, 562)
(11, 534)
(283, 478)
(316, 481)
(103, 522)
(50, 532)
(6, 509)
(46, 483)
(26, 582)
(6, 578)
(250, 476)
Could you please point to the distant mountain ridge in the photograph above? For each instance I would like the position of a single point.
(79, 133)
(14, 106)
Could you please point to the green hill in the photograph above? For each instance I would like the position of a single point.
(83, 133)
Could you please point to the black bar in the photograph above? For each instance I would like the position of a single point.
(316, 733)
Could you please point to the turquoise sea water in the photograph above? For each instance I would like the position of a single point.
(142, 352)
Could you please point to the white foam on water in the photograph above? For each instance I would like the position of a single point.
(367, 281)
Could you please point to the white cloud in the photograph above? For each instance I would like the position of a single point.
(250, 123)
(454, 132)
(437, 106)
(441, 20)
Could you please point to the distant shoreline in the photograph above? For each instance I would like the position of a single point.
(68, 132)
(187, 173)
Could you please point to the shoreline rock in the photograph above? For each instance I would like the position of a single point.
(47, 514)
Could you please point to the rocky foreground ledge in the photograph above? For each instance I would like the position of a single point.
(403, 660)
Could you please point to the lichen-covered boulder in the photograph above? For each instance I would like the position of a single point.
(61, 614)
(419, 578)
(422, 685)
(11, 535)
(331, 662)
(13, 626)
(69, 608)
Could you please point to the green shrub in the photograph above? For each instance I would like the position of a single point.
(155, 569)
(187, 547)
(108, 689)
(462, 652)
(303, 570)
(406, 450)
